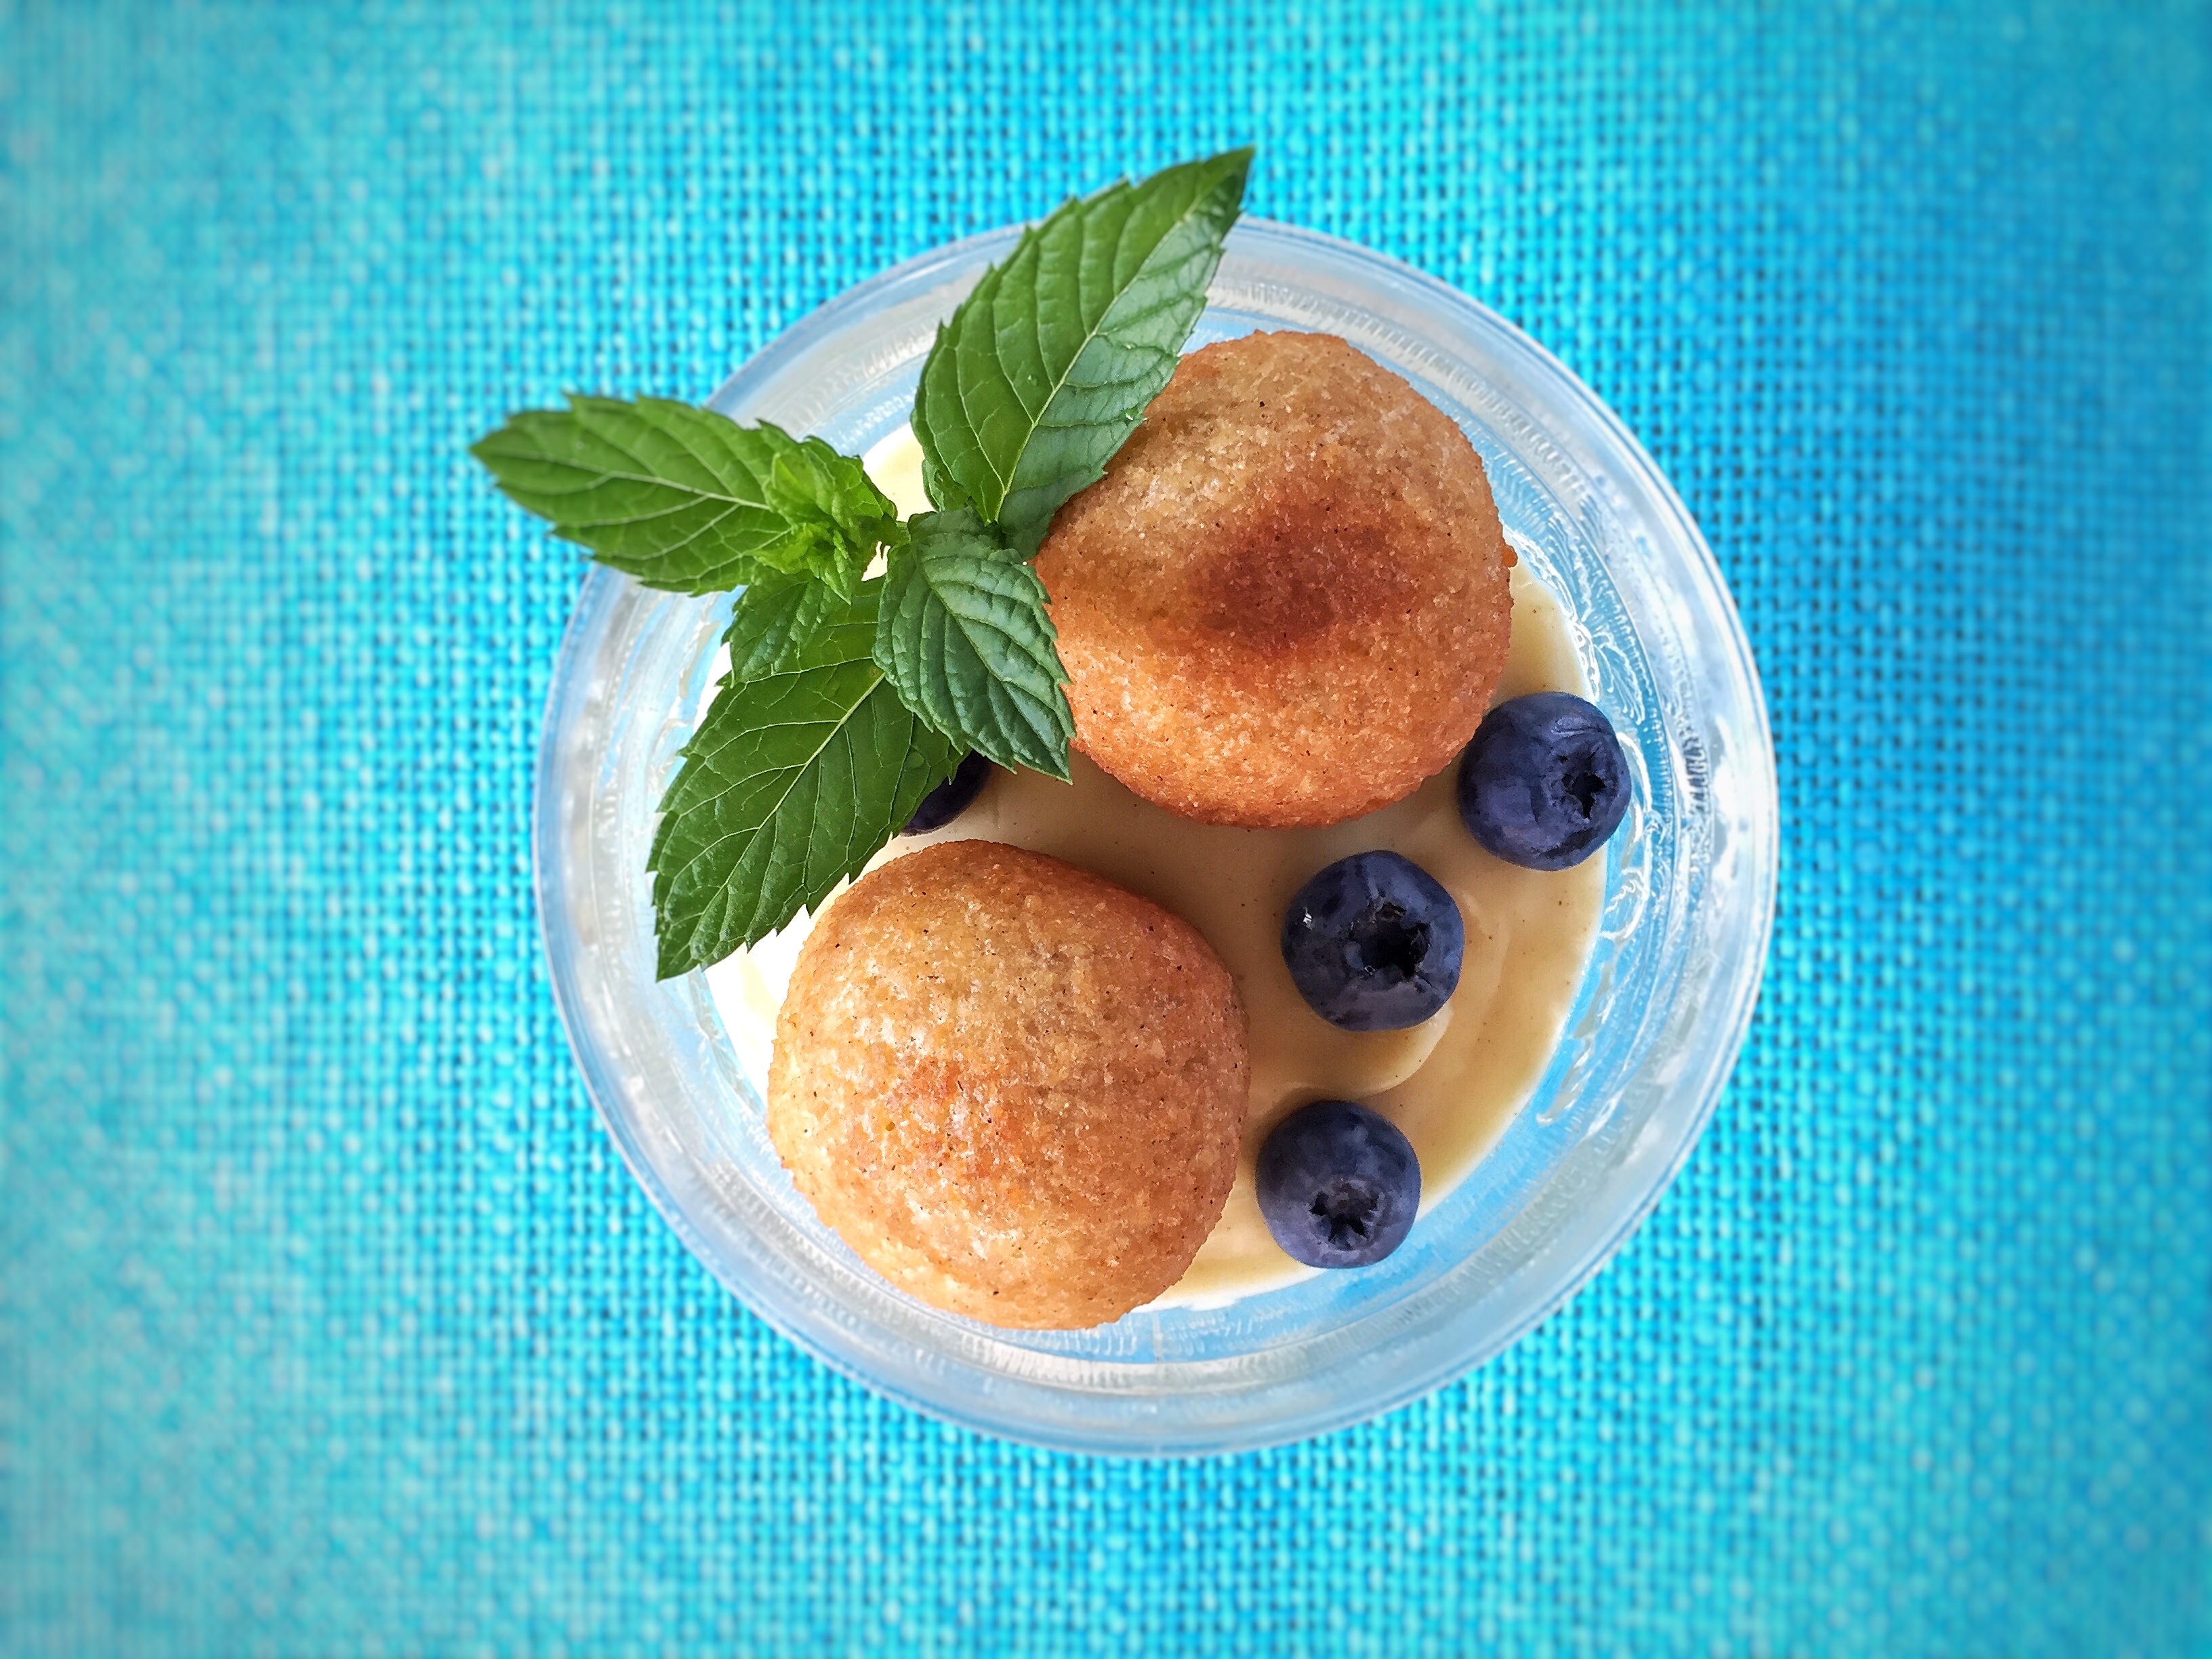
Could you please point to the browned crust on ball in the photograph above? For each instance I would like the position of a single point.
(1016, 1089)
(1286, 603)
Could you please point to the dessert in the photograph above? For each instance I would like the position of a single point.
(1123, 689)
(1015, 1089)
(1286, 603)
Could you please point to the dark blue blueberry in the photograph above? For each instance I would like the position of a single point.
(1339, 1185)
(1373, 943)
(1543, 784)
(950, 798)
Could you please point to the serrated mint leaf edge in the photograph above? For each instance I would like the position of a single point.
(776, 618)
(727, 570)
(1014, 673)
(1026, 510)
(943, 484)
(785, 547)
(918, 771)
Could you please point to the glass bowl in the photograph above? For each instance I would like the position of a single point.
(1690, 898)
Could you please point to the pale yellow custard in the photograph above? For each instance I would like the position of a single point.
(1452, 1085)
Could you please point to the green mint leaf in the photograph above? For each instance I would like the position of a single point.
(966, 642)
(811, 483)
(791, 784)
(1048, 365)
(777, 617)
(688, 500)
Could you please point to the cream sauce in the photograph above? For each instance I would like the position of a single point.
(1452, 1085)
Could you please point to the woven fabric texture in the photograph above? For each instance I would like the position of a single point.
(331, 1324)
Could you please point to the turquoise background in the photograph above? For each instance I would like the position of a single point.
(331, 1324)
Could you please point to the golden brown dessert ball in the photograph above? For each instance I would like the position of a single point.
(1016, 1089)
(1286, 603)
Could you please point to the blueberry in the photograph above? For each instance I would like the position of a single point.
(950, 798)
(1373, 943)
(1543, 784)
(1339, 1185)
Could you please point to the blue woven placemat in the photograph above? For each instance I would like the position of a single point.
(330, 1323)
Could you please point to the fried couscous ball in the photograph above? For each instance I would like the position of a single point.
(1286, 603)
(1016, 1089)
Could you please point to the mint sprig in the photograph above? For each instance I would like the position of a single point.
(1049, 364)
(965, 641)
(792, 783)
(687, 499)
(849, 699)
